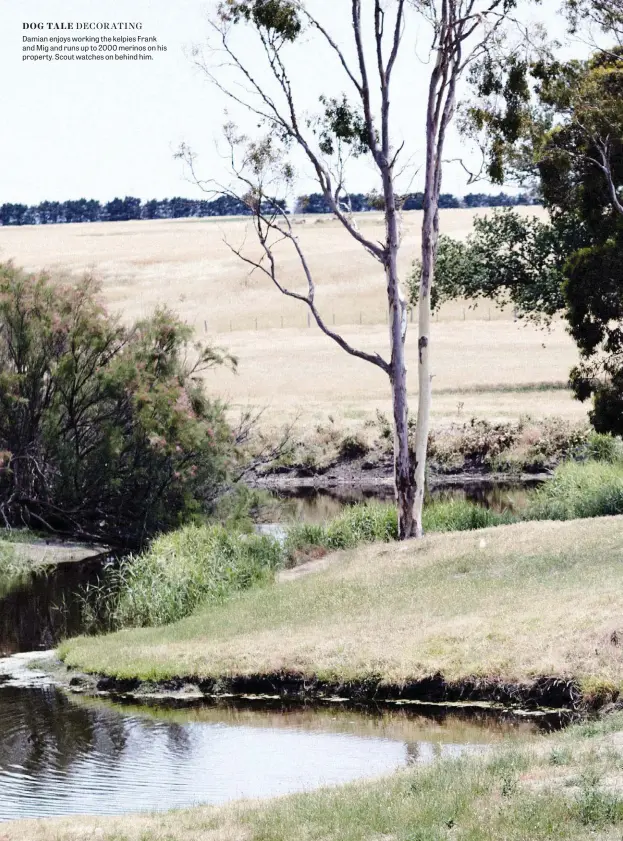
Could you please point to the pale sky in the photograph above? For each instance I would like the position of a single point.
(97, 129)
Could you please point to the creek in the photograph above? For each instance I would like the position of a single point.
(64, 754)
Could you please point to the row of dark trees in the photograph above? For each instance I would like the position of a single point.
(316, 203)
(124, 210)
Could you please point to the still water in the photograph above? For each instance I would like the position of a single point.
(316, 505)
(61, 755)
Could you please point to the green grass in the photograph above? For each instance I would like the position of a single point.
(375, 522)
(19, 536)
(592, 489)
(516, 794)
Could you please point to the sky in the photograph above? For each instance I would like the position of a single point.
(98, 130)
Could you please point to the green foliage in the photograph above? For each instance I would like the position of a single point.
(566, 127)
(607, 14)
(603, 447)
(591, 489)
(105, 431)
(341, 123)
(11, 563)
(276, 17)
(500, 117)
(188, 567)
(508, 258)
(596, 807)
(377, 522)
(363, 523)
(241, 507)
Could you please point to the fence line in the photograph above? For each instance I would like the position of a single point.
(360, 318)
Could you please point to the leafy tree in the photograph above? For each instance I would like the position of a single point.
(571, 136)
(105, 431)
(508, 259)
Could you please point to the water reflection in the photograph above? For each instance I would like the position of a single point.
(316, 505)
(62, 756)
(42, 607)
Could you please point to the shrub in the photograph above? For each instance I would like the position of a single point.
(353, 446)
(181, 570)
(105, 431)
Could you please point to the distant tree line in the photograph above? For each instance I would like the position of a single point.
(128, 208)
(357, 202)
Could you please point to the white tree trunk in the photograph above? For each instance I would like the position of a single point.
(403, 464)
(430, 233)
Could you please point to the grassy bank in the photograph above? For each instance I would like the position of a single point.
(509, 603)
(565, 787)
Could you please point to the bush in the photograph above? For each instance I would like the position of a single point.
(181, 570)
(105, 431)
(353, 446)
(592, 489)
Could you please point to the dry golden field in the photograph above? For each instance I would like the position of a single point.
(485, 364)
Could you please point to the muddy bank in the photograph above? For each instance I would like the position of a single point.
(544, 697)
(549, 699)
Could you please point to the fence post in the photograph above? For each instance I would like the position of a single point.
(333, 318)
(205, 326)
(282, 321)
(309, 319)
(230, 327)
(360, 317)
(256, 323)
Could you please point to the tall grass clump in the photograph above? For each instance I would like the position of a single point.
(462, 515)
(362, 523)
(604, 447)
(591, 489)
(180, 571)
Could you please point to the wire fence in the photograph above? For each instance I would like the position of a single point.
(360, 318)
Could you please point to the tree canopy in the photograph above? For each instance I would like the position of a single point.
(106, 433)
(569, 134)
